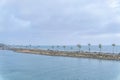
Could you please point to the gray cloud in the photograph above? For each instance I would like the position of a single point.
(60, 20)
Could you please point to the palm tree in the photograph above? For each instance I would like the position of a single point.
(64, 47)
(89, 45)
(100, 46)
(113, 45)
(79, 46)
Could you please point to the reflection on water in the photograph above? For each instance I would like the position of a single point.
(1, 78)
(17, 66)
(118, 77)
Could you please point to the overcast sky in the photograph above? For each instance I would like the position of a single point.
(51, 22)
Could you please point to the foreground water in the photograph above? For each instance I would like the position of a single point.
(19, 66)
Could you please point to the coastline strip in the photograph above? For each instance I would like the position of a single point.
(104, 56)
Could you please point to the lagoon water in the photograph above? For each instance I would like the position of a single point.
(19, 66)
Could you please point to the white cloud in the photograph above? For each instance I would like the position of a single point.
(8, 20)
(94, 19)
(95, 39)
(114, 3)
(12, 23)
(2, 2)
(19, 23)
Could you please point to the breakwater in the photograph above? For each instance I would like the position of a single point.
(104, 56)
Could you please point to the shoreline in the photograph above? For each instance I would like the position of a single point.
(92, 55)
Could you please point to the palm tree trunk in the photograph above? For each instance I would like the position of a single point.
(79, 50)
(113, 50)
(89, 49)
(100, 50)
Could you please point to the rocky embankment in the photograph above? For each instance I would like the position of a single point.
(104, 56)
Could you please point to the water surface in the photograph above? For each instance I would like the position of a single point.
(19, 66)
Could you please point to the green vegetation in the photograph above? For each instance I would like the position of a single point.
(113, 47)
(89, 47)
(100, 47)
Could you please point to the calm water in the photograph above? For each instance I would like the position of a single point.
(19, 66)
